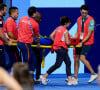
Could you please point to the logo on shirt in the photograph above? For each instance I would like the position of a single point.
(0, 22)
(92, 24)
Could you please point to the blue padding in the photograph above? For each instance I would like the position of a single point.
(44, 41)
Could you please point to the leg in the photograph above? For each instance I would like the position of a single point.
(68, 66)
(76, 66)
(86, 63)
(2, 57)
(84, 52)
(76, 61)
(27, 54)
(11, 55)
(59, 60)
(17, 54)
(39, 61)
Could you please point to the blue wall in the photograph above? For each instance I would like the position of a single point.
(94, 54)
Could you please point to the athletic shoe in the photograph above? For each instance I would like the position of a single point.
(40, 80)
(92, 78)
(72, 79)
(43, 80)
(71, 83)
(75, 81)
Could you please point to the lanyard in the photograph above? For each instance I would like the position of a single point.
(30, 26)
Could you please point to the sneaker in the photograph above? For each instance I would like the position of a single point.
(75, 81)
(43, 80)
(92, 78)
(40, 80)
(72, 79)
(71, 83)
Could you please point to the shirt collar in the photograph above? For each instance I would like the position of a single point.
(86, 17)
(13, 18)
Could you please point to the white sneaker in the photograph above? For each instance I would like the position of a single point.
(71, 83)
(40, 80)
(75, 81)
(92, 78)
(72, 79)
(43, 80)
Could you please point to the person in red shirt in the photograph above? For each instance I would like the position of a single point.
(61, 39)
(3, 39)
(28, 29)
(11, 30)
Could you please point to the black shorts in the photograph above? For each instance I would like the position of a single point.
(83, 50)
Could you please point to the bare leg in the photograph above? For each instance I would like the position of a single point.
(45, 75)
(76, 66)
(86, 63)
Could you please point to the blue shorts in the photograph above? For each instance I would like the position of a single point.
(83, 50)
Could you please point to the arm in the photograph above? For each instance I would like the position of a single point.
(2, 36)
(10, 27)
(11, 35)
(67, 38)
(36, 32)
(76, 35)
(52, 36)
(8, 81)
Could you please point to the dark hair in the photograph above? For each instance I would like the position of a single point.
(64, 20)
(21, 73)
(1, 7)
(84, 7)
(4, 5)
(12, 9)
(31, 11)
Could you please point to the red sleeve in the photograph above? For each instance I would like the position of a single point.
(9, 26)
(36, 29)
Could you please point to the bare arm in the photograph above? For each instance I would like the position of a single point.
(67, 38)
(76, 35)
(2, 36)
(11, 35)
(8, 81)
(52, 36)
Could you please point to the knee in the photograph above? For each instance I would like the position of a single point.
(57, 65)
(82, 57)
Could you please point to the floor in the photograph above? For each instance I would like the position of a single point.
(57, 82)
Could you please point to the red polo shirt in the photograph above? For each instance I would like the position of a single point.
(11, 26)
(25, 34)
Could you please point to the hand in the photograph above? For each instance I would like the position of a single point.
(71, 37)
(10, 42)
(13, 41)
(38, 45)
(80, 44)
